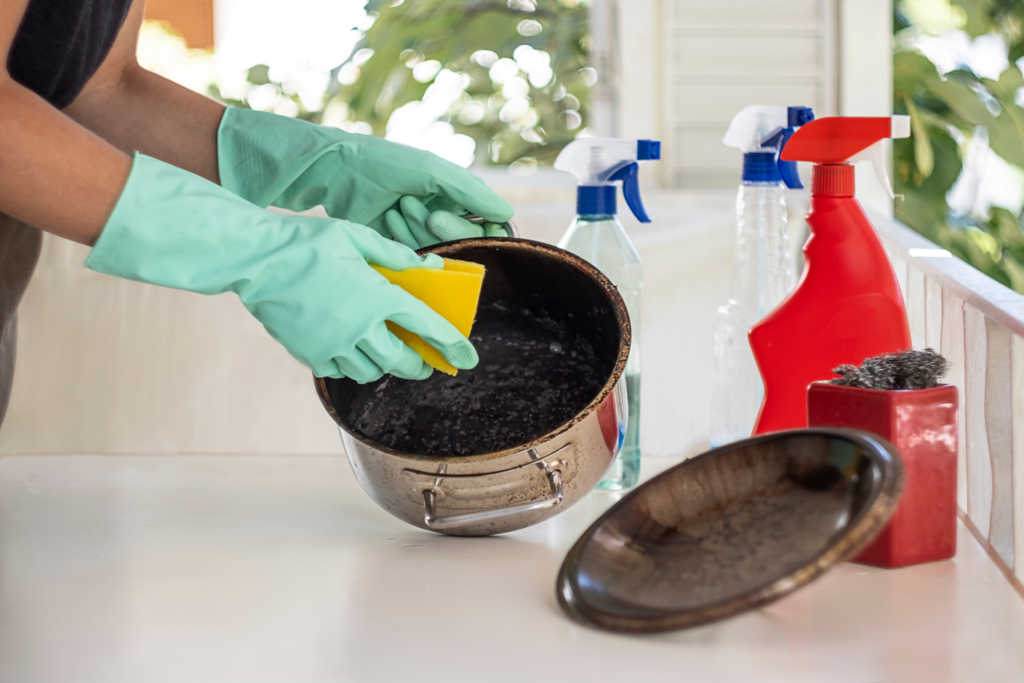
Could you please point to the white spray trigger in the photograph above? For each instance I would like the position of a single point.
(876, 155)
(754, 124)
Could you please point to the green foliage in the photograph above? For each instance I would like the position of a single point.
(450, 32)
(259, 76)
(945, 112)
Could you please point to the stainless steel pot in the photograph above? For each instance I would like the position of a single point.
(491, 493)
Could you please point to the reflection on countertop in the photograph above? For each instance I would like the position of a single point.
(279, 568)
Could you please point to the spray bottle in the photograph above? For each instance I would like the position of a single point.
(762, 273)
(848, 306)
(597, 236)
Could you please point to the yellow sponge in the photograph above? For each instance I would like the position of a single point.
(454, 293)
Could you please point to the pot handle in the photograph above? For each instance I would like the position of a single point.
(454, 521)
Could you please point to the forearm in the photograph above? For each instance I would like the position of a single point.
(141, 111)
(64, 171)
(55, 174)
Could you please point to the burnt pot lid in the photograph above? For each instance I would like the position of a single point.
(731, 530)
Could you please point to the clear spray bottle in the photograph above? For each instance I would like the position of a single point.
(597, 236)
(762, 274)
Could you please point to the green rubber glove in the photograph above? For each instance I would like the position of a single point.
(306, 279)
(417, 225)
(292, 164)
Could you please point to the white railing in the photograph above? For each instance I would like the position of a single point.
(978, 325)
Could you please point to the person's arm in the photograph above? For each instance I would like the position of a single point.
(63, 171)
(136, 110)
(54, 174)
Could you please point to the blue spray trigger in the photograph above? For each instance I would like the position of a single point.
(790, 175)
(797, 116)
(787, 169)
(630, 177)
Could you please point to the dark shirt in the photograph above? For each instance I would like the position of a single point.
(61, 43)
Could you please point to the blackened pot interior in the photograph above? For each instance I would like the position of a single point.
(549, 331)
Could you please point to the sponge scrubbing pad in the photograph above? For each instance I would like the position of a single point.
(453, 293)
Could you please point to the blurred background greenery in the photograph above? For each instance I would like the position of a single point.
(484, 81)
(957, 73)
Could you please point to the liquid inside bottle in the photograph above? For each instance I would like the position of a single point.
(762, 276)
(603, 242)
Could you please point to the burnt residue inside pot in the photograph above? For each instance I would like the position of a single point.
(548, 339)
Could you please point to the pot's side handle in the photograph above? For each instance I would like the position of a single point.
(447, 522)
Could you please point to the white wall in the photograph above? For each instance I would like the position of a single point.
(112, 366)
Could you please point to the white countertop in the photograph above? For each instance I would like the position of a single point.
(251, 569)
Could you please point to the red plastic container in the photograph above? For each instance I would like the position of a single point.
(847, 306)
(922, 426)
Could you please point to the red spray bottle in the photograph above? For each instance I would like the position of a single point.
(847, 306)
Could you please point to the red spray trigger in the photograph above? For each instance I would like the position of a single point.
(834, 140)
(847, 139)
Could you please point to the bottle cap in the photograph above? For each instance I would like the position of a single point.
(595, 200)
(760, 167)
(832, 180)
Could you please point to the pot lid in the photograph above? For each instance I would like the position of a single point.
(731, 530)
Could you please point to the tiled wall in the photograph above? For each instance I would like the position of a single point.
(978, 325)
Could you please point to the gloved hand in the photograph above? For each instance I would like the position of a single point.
(270, 159)
(417, 225)
(306, 279)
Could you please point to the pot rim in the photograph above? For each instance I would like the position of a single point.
(625, 343)
(825, 382)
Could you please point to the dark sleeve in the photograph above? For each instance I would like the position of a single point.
(61, 43)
